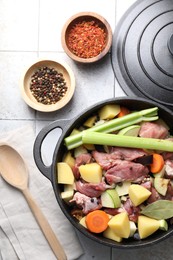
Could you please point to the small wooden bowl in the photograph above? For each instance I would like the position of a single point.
(60, 67)
(78, 18)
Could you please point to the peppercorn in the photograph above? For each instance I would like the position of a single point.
(87, 39)
(47, 85)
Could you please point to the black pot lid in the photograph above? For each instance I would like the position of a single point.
(142, 51)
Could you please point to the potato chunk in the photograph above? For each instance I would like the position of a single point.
(68, 192)
(67, 195)
(147, 226)
(64, 173)
(109, 233)
(69, 159)
(109, 111)
(138, 194)
(120, 224)
(91, 172)
(82, 222)
(90, 121)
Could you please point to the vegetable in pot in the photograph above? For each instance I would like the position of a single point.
(114, 125)
(126, 141)
(109, 188)
(97, 221)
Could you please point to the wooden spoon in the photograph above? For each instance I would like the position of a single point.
(14, 171)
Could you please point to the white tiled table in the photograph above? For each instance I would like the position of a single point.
(32, 28)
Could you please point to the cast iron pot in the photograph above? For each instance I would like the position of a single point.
(51, 173)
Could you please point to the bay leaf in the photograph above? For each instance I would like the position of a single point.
(160, 209)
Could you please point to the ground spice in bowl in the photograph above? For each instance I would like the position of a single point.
(87, 39)
(47, 85)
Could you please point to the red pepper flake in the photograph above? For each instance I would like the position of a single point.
(87, 39)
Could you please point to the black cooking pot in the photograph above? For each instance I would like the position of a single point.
(50, 172)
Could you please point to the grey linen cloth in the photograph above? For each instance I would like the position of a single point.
(20, 235)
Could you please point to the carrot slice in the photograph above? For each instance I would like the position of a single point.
(157, 164)
(123, 111)
(97, 221)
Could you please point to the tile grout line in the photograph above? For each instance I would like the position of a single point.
(38, 44)
(112, 54)
(38, 35)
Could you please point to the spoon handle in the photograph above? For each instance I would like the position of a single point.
(45, 226)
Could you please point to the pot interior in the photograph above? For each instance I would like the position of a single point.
(132, 104)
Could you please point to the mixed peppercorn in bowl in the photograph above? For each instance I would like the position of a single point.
(47, 85)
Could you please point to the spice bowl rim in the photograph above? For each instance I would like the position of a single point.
(25, 80)
(79, 17)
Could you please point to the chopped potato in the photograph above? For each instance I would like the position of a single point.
(90, 121)
(147, 226)
(109, 233)
(91, 172)
(109, 111)
(64, 173)
(69, 159)
(120, 224)
(138, 194)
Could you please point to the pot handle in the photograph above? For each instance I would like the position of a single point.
(46, 170)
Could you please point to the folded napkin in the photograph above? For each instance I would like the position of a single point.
(20, 235)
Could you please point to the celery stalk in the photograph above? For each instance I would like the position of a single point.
(126, 141)
(114, 125)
